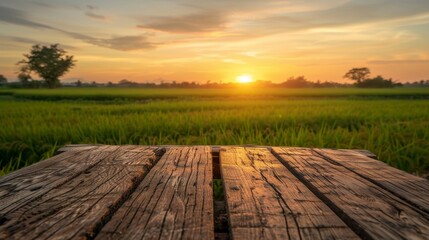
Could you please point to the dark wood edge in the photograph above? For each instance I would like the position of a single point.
(215, 148)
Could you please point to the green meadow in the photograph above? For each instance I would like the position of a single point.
(392, 123)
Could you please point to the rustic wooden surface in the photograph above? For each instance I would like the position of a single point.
(369, 209)
(175, 200)
(412, 189)
(266, 201)
(165, 192)
(78, 206)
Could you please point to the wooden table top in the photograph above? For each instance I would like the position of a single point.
(166, 192)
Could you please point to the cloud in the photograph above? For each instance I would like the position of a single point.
(90, 13)
(18, 17)
(91, 7)
(32, 41)
(191, 23)
(262, 18)
(236, 5)
(234, 61)
(410, 61)
(126, 43)
(241, 20)
(250, 53)
(350, 13)
(122, 43)
(95, 16)
(42, 4)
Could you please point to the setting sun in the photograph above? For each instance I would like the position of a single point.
(244, 79)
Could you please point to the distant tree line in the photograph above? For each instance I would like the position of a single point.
(51, 62)
(421, 83)
(291, 82)
(3, 79)
(359, 75)
(362, 79)
(302, 82)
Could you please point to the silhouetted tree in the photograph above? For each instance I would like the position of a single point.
(3, 79)
(127, 83)
(297, 82)
(49, 62)
(358, 74)
(24, 78)
(378, 82)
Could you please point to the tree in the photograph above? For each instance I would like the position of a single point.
(378, 82)
(24, 78)
(49, 62)
(78, 83)
(358, 74)
(297, 82)
(3, 79)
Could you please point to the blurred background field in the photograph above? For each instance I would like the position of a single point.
(240, 91)
(392, 123)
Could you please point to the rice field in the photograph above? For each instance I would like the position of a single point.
(393, 123)
(245, 91)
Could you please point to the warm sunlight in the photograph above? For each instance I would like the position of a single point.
(244, 79)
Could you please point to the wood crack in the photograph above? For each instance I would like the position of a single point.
(256, 186)
(412, 204)
(339, 212)
(140, 192)
(162, 203)
(80, 207)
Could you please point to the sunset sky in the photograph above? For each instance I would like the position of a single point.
(200, 40)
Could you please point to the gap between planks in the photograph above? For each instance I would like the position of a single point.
(265, 201)
(174, 201)
(364, 167)
(78, 198)
(370, 210)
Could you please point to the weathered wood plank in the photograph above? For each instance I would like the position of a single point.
(410, 188)
(174, 201)
(346, 152)
(78, 207)
(364, 152)
(369, 209)
(27, 184)
(266, 201)
(77, 147)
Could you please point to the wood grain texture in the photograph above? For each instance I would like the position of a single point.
(265, 201)
(410, 188)
(76, 208)
(349, 152)
(367, 208)
(27, 184)
(174, 201)
(77, 147)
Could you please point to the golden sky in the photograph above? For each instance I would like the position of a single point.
(201, 40)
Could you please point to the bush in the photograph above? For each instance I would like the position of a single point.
(378, 82)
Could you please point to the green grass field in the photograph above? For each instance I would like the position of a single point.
(392, 123)
(118, 94)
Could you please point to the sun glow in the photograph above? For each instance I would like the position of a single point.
(244, 79)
